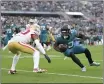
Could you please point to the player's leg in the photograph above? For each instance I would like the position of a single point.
(15, 47)
(15, 58)
(88, 56)
(48, 43)
(36, 59)
(36, 55)
(43, 39)
(69, 53)
(14, 63)
(81, 49)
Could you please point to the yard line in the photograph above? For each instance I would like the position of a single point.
(60, 74)
(52, 56)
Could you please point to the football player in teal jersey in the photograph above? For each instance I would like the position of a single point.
(67, 38)
(43, 34)
(46, 35)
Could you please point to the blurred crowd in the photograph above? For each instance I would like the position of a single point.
(15, 23)
(94, 26)
(54, 22)
(91, 7)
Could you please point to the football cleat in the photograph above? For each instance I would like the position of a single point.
(95, 64)
(39, 70)
(83, 69)
(12, 72)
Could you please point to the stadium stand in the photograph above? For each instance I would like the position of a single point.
(44, 10)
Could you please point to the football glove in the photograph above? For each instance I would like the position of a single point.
(48, 59)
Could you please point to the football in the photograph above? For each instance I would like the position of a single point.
(62, 47)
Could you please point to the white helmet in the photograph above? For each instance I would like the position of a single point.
(35, 21)
(31, 20)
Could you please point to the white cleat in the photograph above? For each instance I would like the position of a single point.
(83, 69)
(12, 72)
(65, 58)
(95, 64)
(39, 70)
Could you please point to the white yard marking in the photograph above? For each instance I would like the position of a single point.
(60, 74)
(52, 56)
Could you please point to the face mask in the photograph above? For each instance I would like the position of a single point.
(65, 37)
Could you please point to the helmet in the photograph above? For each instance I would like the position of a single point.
(31, 21)
(35, 21)
(65, 31)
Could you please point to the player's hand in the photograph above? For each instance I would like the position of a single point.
(48, 59)
(62, 47)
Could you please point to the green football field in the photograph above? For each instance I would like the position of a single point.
(59, 71)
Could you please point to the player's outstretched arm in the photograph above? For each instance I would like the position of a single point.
(47, 57)
(41, 49)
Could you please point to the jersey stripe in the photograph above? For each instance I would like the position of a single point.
(26, 45)
(25, 32)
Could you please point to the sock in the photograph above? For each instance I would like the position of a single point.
(76, 60)
(88, 55)
(14, 62)
(36, 58)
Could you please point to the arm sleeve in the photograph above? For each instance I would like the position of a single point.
(39, 46)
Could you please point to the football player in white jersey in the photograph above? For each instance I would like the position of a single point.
(33, 25)
(19, 43)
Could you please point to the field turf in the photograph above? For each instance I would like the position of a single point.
(59, 71)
